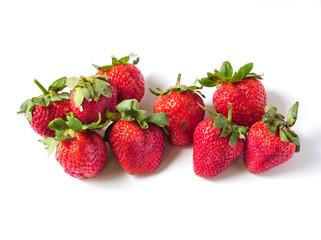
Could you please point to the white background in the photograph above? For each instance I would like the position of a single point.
(48, 40)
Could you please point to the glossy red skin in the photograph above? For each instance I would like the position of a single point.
(91, 109)
(212, 154)
(43, 115)
(128, 79)
(83, 156)
(264, 150)
(138, 151)
(184, 114)
(248, 98)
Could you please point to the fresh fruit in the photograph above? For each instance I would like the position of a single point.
(126, 76)
(181, 104)
(137, 141)
(41, 110)
(243, 89)
(80, 151)
(271, 142)
(91, 96)
(217, 143)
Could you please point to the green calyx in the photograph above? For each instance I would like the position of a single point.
(90, 88)
(116, 61)
(129, 111)
(228, 127)
(179, 88)
(275, 121)
(65, 129)
(225, 74)
(51, 95)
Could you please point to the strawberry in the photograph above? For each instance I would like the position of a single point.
(137, 141)
(181, 104)
(41, 110)
(243, 89)
(126, 76)
(91, 96)
(271, 142)
(80, 151)
(217, 143)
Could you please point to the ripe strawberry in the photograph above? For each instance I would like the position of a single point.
(126, 76)
(92, 96)
(79, 150)
(270, 142)
(217, 143)
(137, 142)
(242, 89)
(181, 104)
(41, 110)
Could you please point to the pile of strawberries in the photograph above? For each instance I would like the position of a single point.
(242, 121)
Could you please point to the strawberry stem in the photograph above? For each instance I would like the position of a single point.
(178, 82)
(44, 91)
(209, 111)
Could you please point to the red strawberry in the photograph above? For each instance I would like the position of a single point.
(126, 76)
(137, 142)
(270, 142)
(41, 110)
(242, 89)
(217, 143)
(92, 96)
(181, 104)
(81, 152)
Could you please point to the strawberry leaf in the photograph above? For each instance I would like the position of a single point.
(30, 108)
(78, 97)
(58, 124)
(72, 82)
(59, 97)
(242, 72)
(294, 138)
(113, 116)
(226, 70)
(142, 123)
(74, 123)
(226, 75)
(129, 110)
(136, 61)
(226, 131)
(283, 136)
(220, 121)
(229, 129)
(233, 138)
(156, 93)
(96, 125)
(66, 129)
(116, 61)
(24, 106)
(101, 87)
(126, 117)
(48, 96)
(275, 121)
(207, 82)
(125, 59)
(58, 85)
(254, 75)
(293, 114)
(90, 88)
(140, 114)
(160, 119)
(242, 131)
(51, 144)
(179, 88)
(127, 106)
